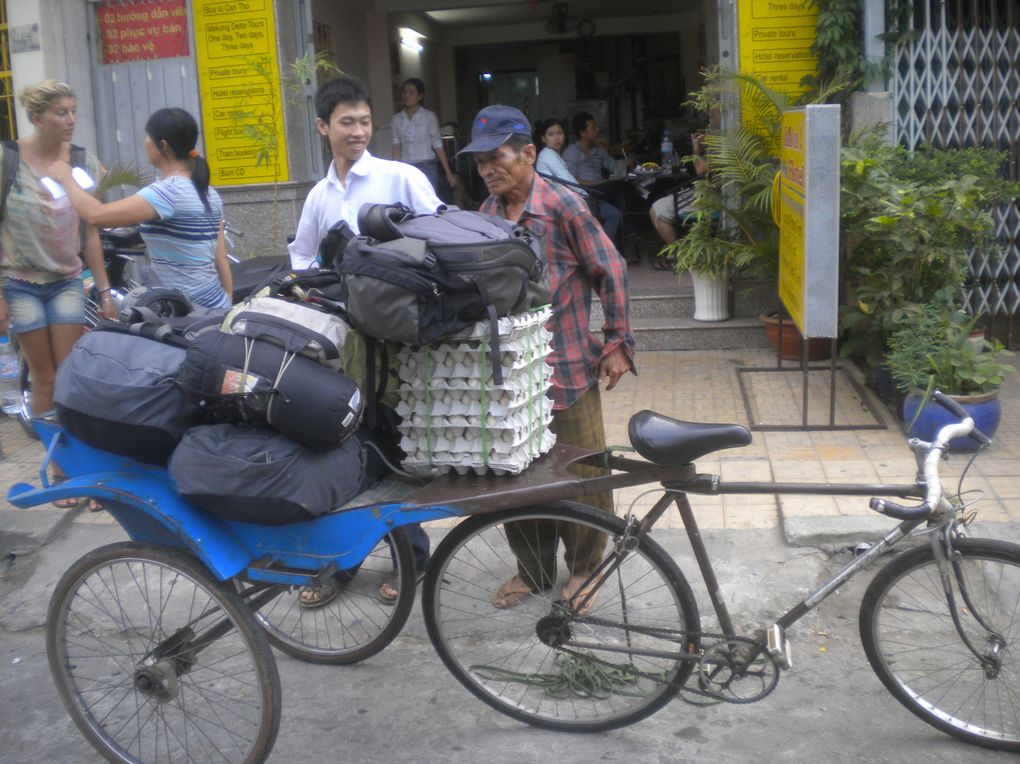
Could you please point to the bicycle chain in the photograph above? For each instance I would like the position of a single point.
(682, 635)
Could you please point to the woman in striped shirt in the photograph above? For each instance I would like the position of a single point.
(180, 216)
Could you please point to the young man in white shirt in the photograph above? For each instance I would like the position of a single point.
(355, 177)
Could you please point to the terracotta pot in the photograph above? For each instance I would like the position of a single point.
(818, 347)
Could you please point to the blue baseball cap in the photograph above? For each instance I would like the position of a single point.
(493, 126)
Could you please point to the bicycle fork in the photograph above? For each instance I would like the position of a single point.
(948, 559)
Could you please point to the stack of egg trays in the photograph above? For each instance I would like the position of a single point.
(454, 417)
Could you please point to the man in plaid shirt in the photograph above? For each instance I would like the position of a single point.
(579, 257)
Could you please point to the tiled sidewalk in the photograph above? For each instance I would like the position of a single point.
(703, 386)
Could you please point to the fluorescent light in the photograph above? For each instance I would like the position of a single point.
(486, 76)
(412, 44)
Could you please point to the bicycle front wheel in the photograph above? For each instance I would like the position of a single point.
(156, 661)
(355, 625)
(914, 646)
(546, 664)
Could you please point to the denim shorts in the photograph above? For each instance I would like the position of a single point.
(34, 306)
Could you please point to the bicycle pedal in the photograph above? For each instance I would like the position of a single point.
(779, 646)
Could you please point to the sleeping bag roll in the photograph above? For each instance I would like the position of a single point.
(118, 392)
(242, 380)
(257, 475)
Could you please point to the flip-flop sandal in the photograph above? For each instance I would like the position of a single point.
(325, 592)
(579, 596)
(72, 502)
(388, 593)
(511, 593)
(663, 265)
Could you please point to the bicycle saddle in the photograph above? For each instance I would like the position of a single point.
(673, 442)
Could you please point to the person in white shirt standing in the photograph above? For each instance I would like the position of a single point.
(354, 177)
(416, 138)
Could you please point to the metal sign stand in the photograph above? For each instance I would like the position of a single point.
(805, 368)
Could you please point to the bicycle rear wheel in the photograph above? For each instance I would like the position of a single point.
(913, 644)
(513, 660)
(354, 626)
(156, 661)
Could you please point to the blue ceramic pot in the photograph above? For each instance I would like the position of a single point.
(985, 410)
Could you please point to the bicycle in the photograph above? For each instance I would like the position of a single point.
(939, 623)
(154, 642)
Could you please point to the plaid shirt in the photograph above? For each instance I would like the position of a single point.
(579, 257)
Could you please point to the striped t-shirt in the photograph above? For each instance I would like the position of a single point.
(182, 239)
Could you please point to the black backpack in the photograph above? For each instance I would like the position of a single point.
(10, 172)
(417, 279)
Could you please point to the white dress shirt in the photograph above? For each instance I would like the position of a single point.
(370, 181)
(418, 136)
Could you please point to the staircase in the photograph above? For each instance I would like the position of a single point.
(662, 306)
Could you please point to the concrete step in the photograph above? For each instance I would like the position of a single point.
(672, 333)
(680, 304)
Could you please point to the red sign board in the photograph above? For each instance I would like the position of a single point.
(142, 30)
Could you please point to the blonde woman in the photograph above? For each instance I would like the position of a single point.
(42, 301)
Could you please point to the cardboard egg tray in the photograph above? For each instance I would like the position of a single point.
(464, 463)
(470, 360)
(503, 434)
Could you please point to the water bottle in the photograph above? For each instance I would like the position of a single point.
(667, 150)
(10, 388)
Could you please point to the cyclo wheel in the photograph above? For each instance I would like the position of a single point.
(913, 645)
(354, 626)
(156, 661)
(508, 658)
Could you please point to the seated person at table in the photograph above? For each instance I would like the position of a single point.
(589, 162)
(678, 202)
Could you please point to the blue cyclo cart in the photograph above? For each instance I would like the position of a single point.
(160, 646)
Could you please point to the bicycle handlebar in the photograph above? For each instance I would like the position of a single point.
(956, 409)
(933, 497)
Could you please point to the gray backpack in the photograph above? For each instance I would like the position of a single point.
(417, 279)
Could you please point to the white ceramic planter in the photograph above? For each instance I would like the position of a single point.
(710, 298)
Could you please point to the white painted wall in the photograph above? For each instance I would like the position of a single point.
(63, 55)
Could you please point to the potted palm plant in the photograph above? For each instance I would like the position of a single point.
(935, 351)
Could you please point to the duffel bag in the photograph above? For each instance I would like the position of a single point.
(298, 327)
(119, 392)
(257, 475)
(242, 380)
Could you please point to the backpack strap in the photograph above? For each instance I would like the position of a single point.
(10, 172)
(78, 160)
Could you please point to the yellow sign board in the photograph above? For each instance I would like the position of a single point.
(775, 45)
(791, 214)
(239, 83)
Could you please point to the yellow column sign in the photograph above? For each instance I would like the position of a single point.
(775, 45)
(239, 83)
(791, 215)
